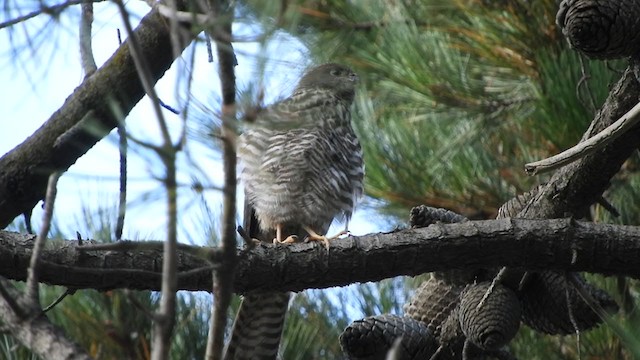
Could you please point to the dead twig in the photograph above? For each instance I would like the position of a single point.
(165, 316)
(86, 52)
(223, 278)
(589, 146)
(32, 294)
(59, 299)
(50, 10)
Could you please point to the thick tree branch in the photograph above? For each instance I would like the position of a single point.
(530, 244)
(37, 332)
(580, 184)
(86, 116)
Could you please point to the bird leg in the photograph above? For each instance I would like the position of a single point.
(278, 239)
(314, 236)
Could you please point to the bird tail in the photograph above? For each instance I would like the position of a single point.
(258, 327)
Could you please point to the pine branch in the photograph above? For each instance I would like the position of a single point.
(529, 244)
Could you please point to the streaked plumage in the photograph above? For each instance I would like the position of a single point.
(302, 167)
(302, 162)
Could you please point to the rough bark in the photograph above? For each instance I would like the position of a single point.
(529, 244)
(94, 109)
(572, 189)
(36, 332)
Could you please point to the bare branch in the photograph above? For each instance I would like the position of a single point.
(165, 316)
(223, 277)
(528, 244)
(32, 290)
(589, 146)
(59, 299)
(122, 198)
(575, 187)
(123, 146)
(50, 10)
(86, 52)
(143, 70)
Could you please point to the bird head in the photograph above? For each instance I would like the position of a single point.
(335, 77)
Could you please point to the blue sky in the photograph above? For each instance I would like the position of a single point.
(36, 82)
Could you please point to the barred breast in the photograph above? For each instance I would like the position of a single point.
(302, 167)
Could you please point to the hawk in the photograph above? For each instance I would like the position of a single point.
(302, 167)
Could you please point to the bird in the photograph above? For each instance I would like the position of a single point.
(302, 167)
(302, 161)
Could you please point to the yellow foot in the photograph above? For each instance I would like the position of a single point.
(313, 236)
(289, 240)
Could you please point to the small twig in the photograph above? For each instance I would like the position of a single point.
(165, 316)
(59, 299)
(586, 296)
(496, 279)
(86, 52)
(128, 245)
(171, 12)
(597, 308)
(589, 146)
(572, 317)
(27, 221)
(122, 201)
(50, 10)
(32, 289)
(182, 16)
(123, 146)
(143, 72)
(169, 107)
(608, 206)
(248, 241)
(207, 41)
(145, 144)
(583, 83)
(223, 278)
(136, 303)
(196, 271)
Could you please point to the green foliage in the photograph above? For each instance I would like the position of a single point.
(316, 318)
(456, 98)
(117, 324)
(10, 349)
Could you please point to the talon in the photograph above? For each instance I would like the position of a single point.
(343, 232)
(314, 236)
(289, 240)
(323, 239)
